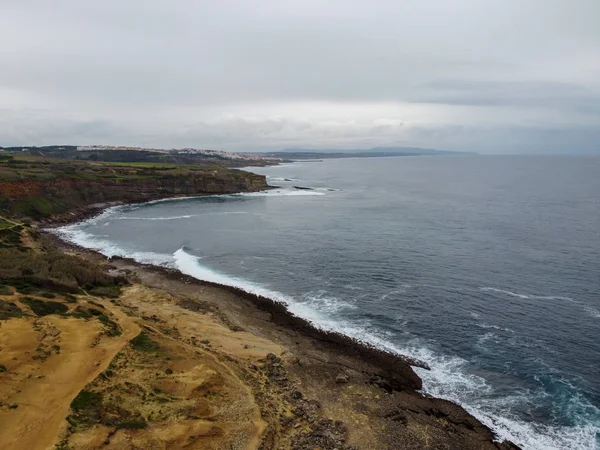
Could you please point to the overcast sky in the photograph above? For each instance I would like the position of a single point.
(492, 76)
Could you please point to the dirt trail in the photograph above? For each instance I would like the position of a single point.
(42, 389)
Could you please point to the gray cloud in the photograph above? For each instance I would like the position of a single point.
(540, 94)
(250, 74)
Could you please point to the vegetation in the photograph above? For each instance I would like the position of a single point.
(112, 329)
(6, 290)
(40, 187)
(143, 343)
(8, 310)
(86, 400)
(109, 291)
(133, 424)
(44, 308)
(32, 273)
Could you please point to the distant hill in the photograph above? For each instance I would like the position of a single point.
(300, 153)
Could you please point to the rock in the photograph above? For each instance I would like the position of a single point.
(341, 379)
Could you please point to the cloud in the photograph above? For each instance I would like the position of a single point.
(540, 94)
(269, 73)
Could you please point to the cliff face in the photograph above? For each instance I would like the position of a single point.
(56, 192)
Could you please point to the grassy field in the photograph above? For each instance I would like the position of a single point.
(38, 168)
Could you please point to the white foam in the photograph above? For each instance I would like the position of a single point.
(279, 193)
(281, 178)
(110, 249)
(593, 312)
(402, 290)
(188, 264)
(155, 218)
(525, 296)
(449, 378)
(322, 302)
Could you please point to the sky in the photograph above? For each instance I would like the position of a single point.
(494, 76)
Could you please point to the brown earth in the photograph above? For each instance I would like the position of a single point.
(47, 361)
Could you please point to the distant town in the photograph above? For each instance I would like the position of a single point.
(182, 151)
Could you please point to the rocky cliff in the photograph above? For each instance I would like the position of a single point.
(41, 190)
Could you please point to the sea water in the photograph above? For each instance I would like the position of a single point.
(487, 268)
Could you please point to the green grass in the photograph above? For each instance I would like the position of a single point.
(143, 343)
(4, 224)
(106, 291)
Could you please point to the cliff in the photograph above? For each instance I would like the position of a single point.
(41, 188)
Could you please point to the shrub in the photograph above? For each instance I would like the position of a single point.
(133, 424)
(143, 343)
(112, 329)
(86, 400)
(8, 310)
(42, 308)
(6, 290)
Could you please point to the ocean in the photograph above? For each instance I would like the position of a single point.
(485, 267)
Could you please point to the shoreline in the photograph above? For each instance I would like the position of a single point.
(392, 373)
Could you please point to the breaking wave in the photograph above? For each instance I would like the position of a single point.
(450, 377)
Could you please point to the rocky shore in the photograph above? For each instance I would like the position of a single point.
(134, 356)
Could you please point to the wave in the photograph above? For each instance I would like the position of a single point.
(281, 179)
(449, 377)
(189, 216)
(525, 296)
(156, 218)
(589, 310)
(323, 302)
(110, 249)
(593, 312)
(278, 193)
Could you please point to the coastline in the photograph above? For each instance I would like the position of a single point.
(316, 358)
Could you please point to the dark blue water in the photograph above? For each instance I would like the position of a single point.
(488, 268)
